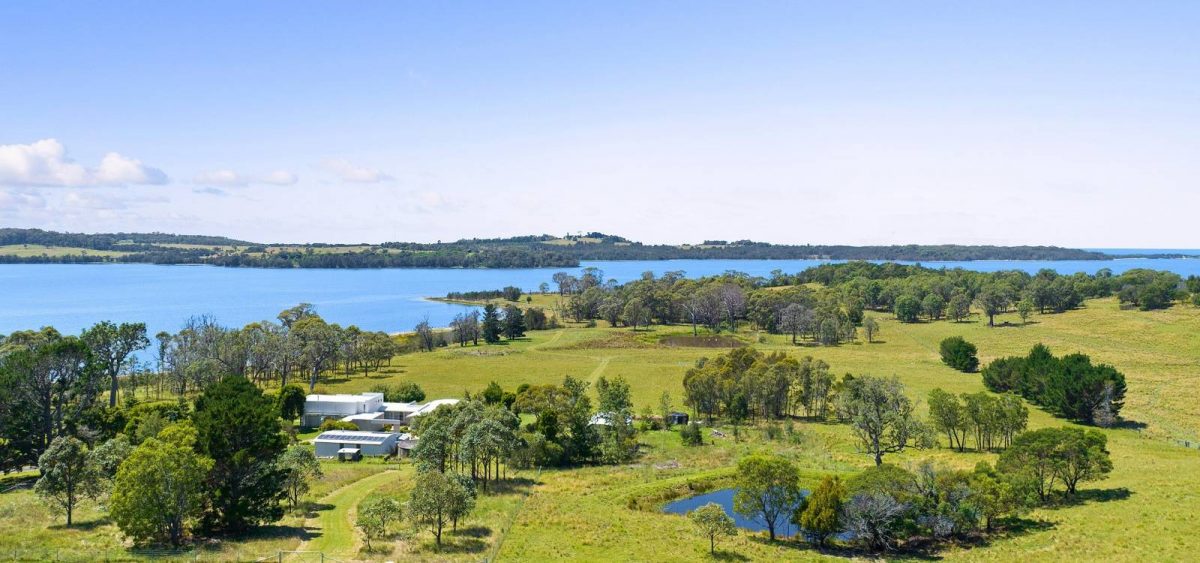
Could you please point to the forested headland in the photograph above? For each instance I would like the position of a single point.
(540, 251)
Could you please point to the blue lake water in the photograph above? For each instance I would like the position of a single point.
(74, 296)
(724, 497)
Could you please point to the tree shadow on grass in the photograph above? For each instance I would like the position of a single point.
(469, 545)
(275, 531)
(1087, 496)
(475, 531)
(726, 555)
(512, 485)
(1130, 424)
(85, 526)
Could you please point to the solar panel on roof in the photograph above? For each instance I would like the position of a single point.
(348, 437)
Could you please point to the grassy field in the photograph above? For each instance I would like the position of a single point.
(1143, 511)
(1146, 510)
(28, 250)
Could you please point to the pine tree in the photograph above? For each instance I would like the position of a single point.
(491, 324)
(514, 322)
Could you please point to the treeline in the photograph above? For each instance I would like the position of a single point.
(52, 383)
(542, 251)
(1069, 386)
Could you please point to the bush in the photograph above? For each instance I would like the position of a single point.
(1071, 386)
(335, 424)
(691, 436)
(405, 392)
(959, 354)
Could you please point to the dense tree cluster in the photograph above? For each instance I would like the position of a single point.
(1069, 386)
(989, 420)
(745, 383)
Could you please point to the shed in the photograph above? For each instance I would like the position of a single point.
(332, 443)
(677, 418)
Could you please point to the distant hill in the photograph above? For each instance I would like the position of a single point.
(533, 251)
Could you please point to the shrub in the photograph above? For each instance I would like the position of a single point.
(691, 436)
(335, 424)
(959, 354)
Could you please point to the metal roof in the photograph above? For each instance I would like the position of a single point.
(352, 437)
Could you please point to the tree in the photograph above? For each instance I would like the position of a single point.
(994, 299)
(711, 521)
(291, 402)
(933, 306)
(407, 392)
(159, 490)
(996, 495)
(105, 459)
(819, 516)
(1083, 456)
(880, 415)
(462, 502)
(425, 335)
(112, 345)
(491, 324)
(959, 354)
(238, 428)
(907, 308)
(318, 344)
(300, 466)
(690, 435)
(873, 518)
(1032, 457)
(514, 322)
(948, 415)
(768, 489)
(635, 313)
(434, 500)
(1024, 309)
(664, 408)
(375, 515)
(67, 478)
(870, 328)
(959, 307)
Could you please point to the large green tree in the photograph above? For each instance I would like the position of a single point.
(881, 415)
(159, 491)
(112, 345)
(768, 489)
(819, 516)
(238, 428)
(301, 466)
(67, 478)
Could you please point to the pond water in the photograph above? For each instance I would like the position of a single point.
(724, 497)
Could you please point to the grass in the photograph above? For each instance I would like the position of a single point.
(30, 250)
(1143, 511)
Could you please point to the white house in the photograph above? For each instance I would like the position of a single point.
(352, 444)
(368, 411)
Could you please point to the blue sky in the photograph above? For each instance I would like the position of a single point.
(1053, 123)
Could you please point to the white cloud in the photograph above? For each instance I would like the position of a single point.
(230, 178)
(350, 173)
(45, 163)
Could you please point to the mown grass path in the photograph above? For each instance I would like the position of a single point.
(336, 525)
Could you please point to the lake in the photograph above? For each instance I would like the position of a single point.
(72, 297)
(724, 497)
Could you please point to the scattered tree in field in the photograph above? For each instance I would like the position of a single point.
(934, 306)
(880, 415)
(994, 299)
(664, 408)
(238, 428)
(819, 516)
(635, 313)
(907, 308)
(1048, 456)
(426, 339)
(67, 478)
(376, 515)
(947, 415)
(711, 521)
(291, 402)
(1024, 309)
(997, 495)
(463, 500)
(870, 329)
(435, 499)
(959, 354)
(691, 435)
(768, 489)
(490, 325)
(301, 467)
(159, 491)
(514, 322)
(1083, 456)
(959, 307)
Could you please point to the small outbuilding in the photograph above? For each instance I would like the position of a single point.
(352, 445)
(677, 418)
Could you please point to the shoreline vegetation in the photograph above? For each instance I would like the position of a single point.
(35, 246)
